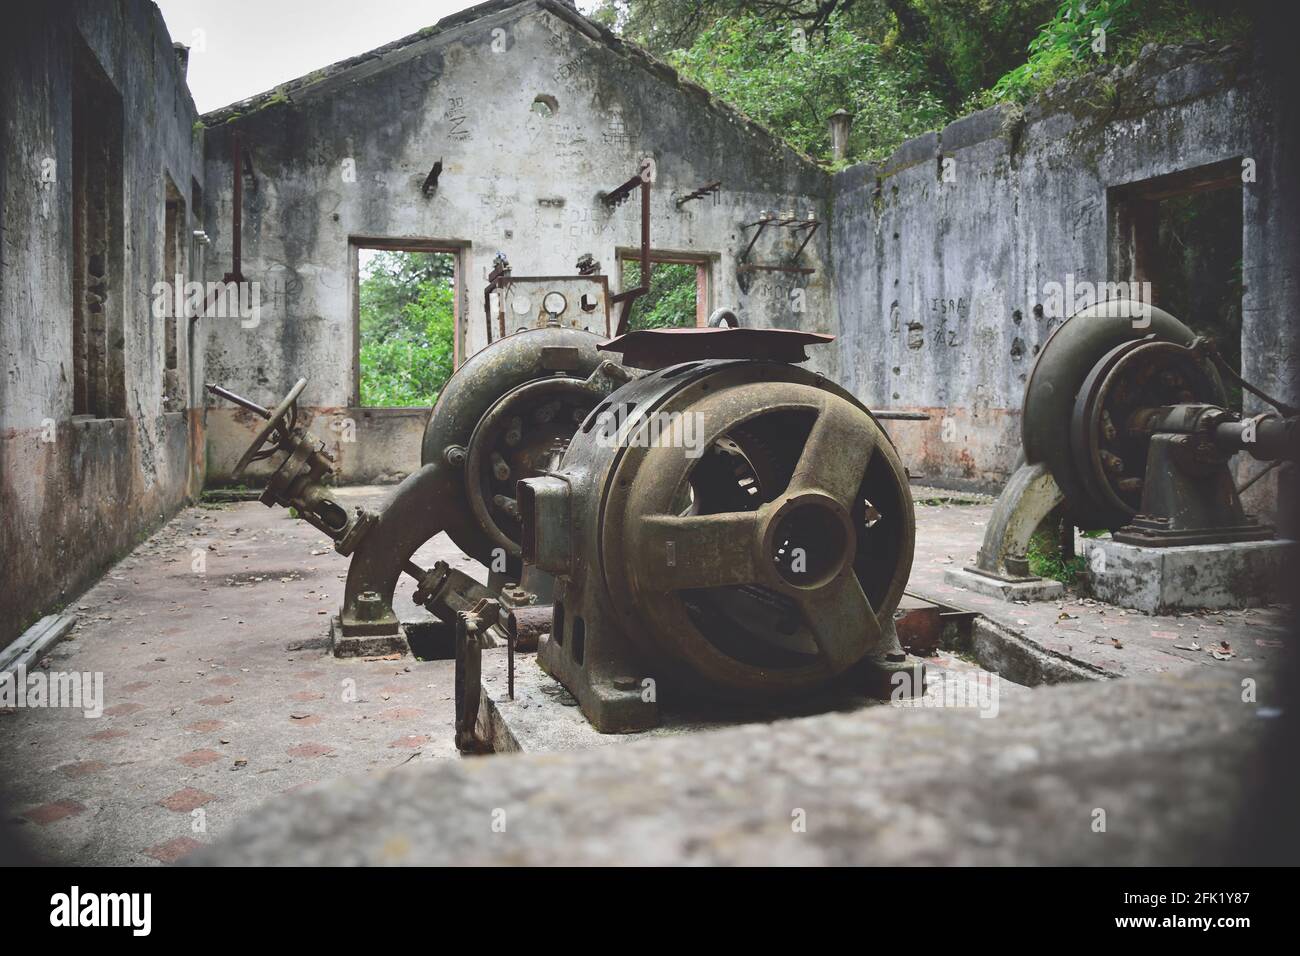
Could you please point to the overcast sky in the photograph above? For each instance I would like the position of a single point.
(242, 47)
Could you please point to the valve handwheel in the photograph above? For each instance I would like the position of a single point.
(279, 426)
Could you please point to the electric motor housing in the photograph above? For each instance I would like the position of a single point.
(1064, 419)
(503, 416)
(729, 528)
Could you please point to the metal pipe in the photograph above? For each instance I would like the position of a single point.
(239, 400)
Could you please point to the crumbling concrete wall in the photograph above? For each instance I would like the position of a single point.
(78, 490)
(343, 154)
(943, 252)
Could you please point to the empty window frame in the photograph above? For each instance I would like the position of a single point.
(175, 272)
(98, 360)
(679, 290)
(407, 320)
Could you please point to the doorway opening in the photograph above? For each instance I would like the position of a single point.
(1182, 233)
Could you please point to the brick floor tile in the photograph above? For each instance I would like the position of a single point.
(309, 749)
(198, 758)
(49, 813)
(401, 713)
(186, 799)
(173, 850)
(205, 726)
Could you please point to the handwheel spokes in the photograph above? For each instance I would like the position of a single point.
(842, 621)
(699, 551)
(835, 456)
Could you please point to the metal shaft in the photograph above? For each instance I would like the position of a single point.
(239, 400)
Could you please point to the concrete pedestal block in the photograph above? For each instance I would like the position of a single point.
(367, 645)
(1191, 577)
(1030, 589)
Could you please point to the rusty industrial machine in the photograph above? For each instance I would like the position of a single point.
(702, 517)
(1126, 428)
(506, 414)
(733, 527)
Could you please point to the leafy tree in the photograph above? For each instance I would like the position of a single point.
(1082, 34)
(793, 87)
(407, 328)
(900, 66)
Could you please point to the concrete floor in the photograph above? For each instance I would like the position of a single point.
(220, 695)
(213, 704)
(1117, 642)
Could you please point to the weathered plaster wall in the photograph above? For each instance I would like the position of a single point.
(940, 283)
(512, 181)
(76, 492)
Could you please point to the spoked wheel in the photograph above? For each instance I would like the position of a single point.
(796, 541)
(279, 426)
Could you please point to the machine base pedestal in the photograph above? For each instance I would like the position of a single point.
(544, 717)
(368, 645)
(1190, 577)
(1029, 589)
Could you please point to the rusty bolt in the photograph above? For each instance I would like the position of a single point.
(370, 606)
(1107, 427)
(515, 432)
(500, 470)
(455, 455)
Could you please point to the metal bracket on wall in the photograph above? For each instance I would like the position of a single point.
(709, 189)
(808, 227)
(643, 179)
(431, 181)
(241, 165)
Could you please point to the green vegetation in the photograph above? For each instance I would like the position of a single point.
(792, 88)
(670, 303)
(900, 67)
(407, 326)
(1046, 560)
